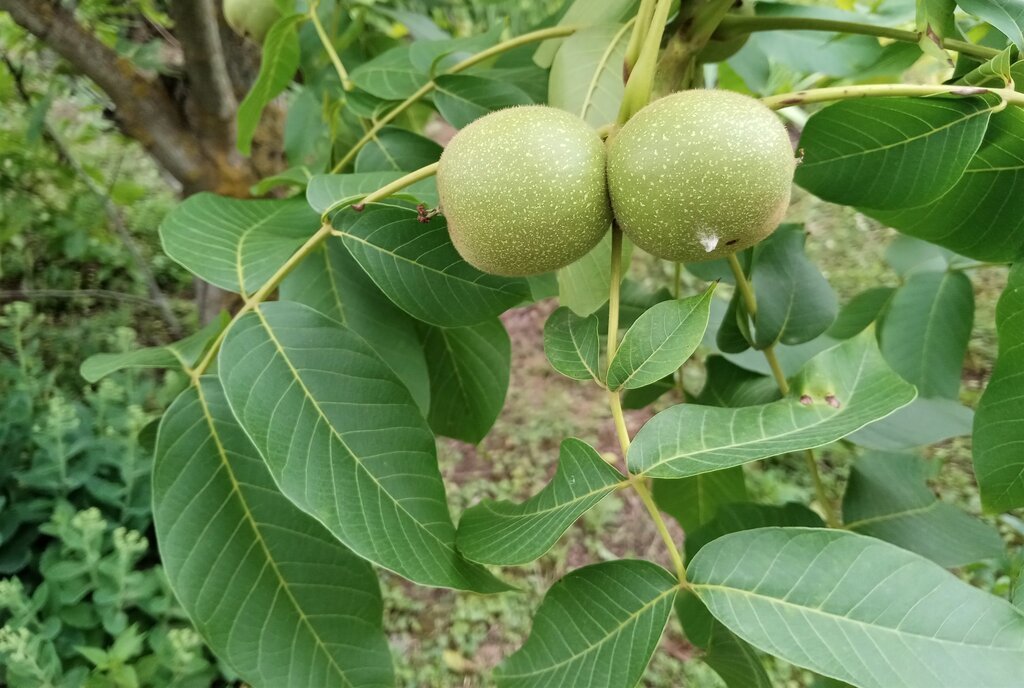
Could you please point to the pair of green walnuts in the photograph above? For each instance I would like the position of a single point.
(694, 176)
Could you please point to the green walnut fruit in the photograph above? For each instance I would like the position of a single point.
(700, 175)
(251, 18)
(524, 190)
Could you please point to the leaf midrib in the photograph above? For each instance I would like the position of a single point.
(588, 99)
(237, 490)
(656, 350)
(334, 433)
(903, 142)
(428, 268)
(608, 636)
(839, 619)
(822, 421)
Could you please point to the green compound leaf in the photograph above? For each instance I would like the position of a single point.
(397, 150)
(469, 372)
(332, 283)
(586, 76)
(573, 345)
(462, 98)
(840, 390)
(660, 341)
(583, 286)
(982, 216)
(887, 498)
(596, 628)
(259, 578)
(891, 152)
(795, 303)
(418, 268)
(926, 330)
(391, 75)
(345, 441)
(859, 610)
(233, 244)
(181, 354)
(736, 662)
(500, 532)
(999, 422)
(696, 500)
(278, 65)
(325, 191)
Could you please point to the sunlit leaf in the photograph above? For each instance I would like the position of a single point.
(858, 609)
(840, 391)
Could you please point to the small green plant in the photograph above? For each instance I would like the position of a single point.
(301, 456)
(83, 600)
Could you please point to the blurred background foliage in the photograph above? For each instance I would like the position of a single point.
(83, 600)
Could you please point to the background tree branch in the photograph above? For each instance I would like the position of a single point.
(196, 28)
(144, 110)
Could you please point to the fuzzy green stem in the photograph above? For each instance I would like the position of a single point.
(339, 67)
(821, 95)
(615, 404)
(641, 79)
(749, 299)
(427, 88)
(385, 191)
(735, 25)
(777, 372)
(743, 285)
(259, 296)
(636, 39)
